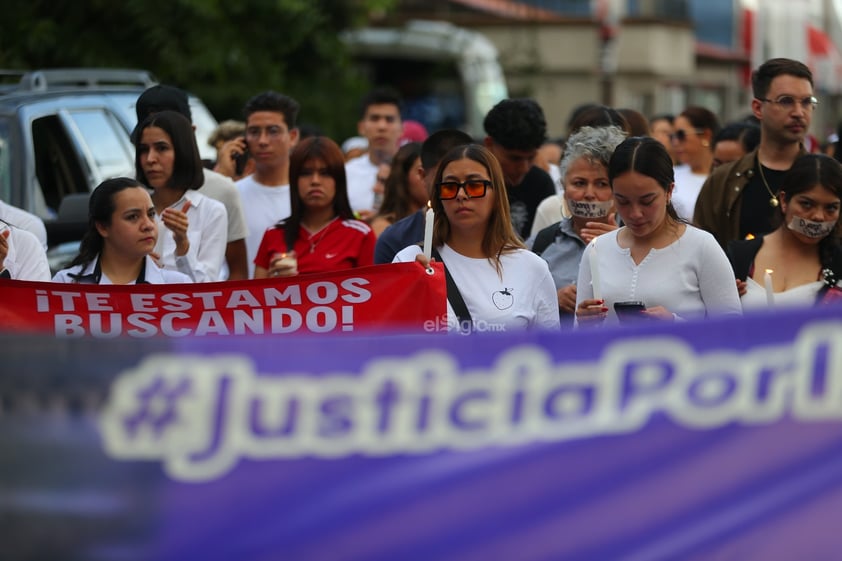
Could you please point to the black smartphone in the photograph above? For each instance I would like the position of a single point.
(629, 311)
(240, 162)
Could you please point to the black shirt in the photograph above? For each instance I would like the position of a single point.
(525, 198)
(757, 216)
(403, 233)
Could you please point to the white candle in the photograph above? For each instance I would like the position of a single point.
(597, 286)
(770, 293)
(428, 232)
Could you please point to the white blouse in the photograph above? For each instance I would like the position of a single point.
(207, 231)
(691, 277)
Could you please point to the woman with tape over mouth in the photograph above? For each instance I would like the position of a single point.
(120, 239)
(590, 202)
(656, 265)
(321, 233)
(493, 282)
(803, 255)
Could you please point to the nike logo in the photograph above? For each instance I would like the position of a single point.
(330, 255)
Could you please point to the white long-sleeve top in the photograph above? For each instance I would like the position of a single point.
(690, 277)
(26, 259)
(207, 231)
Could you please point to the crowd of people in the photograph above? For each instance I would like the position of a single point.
(625, 219)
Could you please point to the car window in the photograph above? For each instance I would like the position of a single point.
(5, 161)
(58, 168)
(205, 124)
(203, 120)
(105, 142)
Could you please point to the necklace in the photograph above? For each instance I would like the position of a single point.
(321, 234)
(773, 200)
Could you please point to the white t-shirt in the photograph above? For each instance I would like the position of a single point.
(362, 175)
(690, 277)
(555, 175)
(524, 298)
(207, 231)
(220, 188)
(25, 221)
(549, 211)
(687, 187)
(264, 206)
(26, 259)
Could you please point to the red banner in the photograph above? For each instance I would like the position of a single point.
(399, 296)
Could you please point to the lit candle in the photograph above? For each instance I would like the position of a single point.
(428, 232)
(770, 293)
(597, 286)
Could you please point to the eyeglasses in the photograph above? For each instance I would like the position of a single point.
(788, 102)
(272, 131)
(681, 135)
(474, 188)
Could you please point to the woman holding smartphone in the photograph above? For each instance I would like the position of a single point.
(675, 270)
(121, 235)
(194, 227)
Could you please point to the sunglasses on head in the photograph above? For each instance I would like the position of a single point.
(474, 188)
(681, 134)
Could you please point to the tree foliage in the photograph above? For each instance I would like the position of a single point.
(222, 51)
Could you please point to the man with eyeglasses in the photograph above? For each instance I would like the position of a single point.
(740, 199)
(271, 134)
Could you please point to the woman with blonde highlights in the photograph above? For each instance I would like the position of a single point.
(503, 285)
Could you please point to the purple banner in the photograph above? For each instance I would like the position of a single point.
(714, 440)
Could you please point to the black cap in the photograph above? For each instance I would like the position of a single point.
(162, 98)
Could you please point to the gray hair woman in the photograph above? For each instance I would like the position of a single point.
(589, 200)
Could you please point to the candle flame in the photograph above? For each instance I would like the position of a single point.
(429, 203)
(770, 271)
(750, 237)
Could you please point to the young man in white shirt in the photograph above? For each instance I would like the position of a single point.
(271, 134)
(380, 123)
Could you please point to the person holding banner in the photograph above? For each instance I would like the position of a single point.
(167, 160)
(495, 283)
(321, 233)
(656, 266)
(803, 255)
(122, 233)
